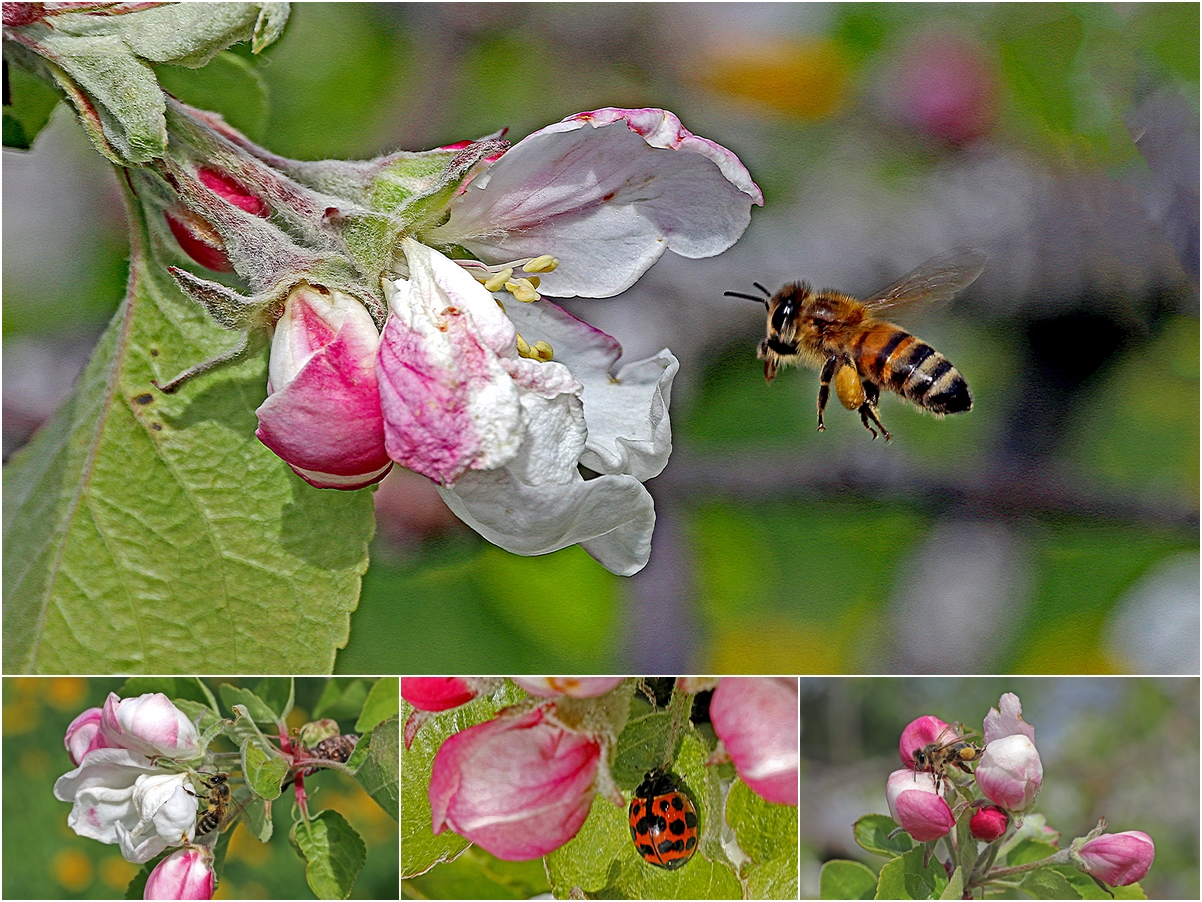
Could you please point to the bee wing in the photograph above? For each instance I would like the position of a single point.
(934, 282)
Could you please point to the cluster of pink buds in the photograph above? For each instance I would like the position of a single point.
(404, 297)
(1009, 775)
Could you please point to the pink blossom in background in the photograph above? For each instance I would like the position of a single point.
(576, 687)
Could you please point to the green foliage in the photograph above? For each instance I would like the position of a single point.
(379, 773)
(846, 880)
(220, 554)
(32, 103)
(382, 702)
(333, 853)
(478, 875)
(229, 85)
(872, 833)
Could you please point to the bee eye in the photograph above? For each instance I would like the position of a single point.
(783, 315)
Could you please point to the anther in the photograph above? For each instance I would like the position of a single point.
(545, 263)
(500, 280)
(522, 289)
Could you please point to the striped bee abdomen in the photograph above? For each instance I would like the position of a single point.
(896, 360)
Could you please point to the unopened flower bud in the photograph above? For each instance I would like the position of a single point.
(1010, 772)
(757, 720)
(989, 823)
(186, 874)
(917, 806)
(436, 693)
(1117, 859)
(322, 414)
(198, 239)
(519, 787)
(85, 734)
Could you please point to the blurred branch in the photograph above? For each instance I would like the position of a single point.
(999, 490)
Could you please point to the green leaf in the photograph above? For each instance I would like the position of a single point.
(278, 694)
(905, 878)
(32, 103)
(602, 861)
(767, 833)
(199, 713)
(478, 875)
(142, 529)
(256, 709)
(256, 817)
(342, 698)
(383, 701)
(955, 886)
(420, 848)
(1046, 883)
(872, 831)
(379, 774)
(264, 772)
(1027, 851)
(189, 35)
(334, 853)
(1086, 887)
(840, 879)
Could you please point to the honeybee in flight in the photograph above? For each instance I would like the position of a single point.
(843, 338)
(937, 758)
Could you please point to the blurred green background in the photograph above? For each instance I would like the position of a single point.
(45, 859)
(1121, 748)
(1053, 529)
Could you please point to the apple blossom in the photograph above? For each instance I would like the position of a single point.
(118, 797)
(1117, 859)
(605, 192)
(505, 435)
(322, 414)
(437, 693)
(1007, 719)
(166, 812)
(84, 734)
(757, 720)
(185, 874)
(519, 785)
(1010, 772)
(149, 724)
(921, 732)
(988, 823)
(575, 687)
(917, 805)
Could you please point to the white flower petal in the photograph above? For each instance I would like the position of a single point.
(626, 413)
(605, 199)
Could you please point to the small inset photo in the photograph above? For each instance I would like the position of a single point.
(201, 788)
(599, 787)
(1000, 787)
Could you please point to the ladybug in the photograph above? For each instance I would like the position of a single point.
(663, 821)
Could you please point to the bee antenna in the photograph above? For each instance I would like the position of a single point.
(746, 297)
(767, 293)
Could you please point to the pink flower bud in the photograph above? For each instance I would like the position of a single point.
(322, 414)
(943, 86)
(1010, 772)
(919, 733)
(576, 687)
(518, 786)
(230, 190)
(17, 14)
(85, 734)
(198, 239)
(149, 724)
(917, 806)
(436, 693)
(186, 874)
(757, 720)
(989, 823)
(1118, 859)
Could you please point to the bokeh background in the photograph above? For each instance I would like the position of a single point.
(1121, 748)
(1053, 529)
(45, 859)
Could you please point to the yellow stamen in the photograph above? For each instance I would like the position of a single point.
(523, 347)
(545, 263)
(543, 351)
(500, 280)
(522, 290)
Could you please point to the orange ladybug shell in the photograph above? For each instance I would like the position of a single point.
(663, 822)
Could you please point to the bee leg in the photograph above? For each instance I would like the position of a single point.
(868, 413)
(824, 387)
